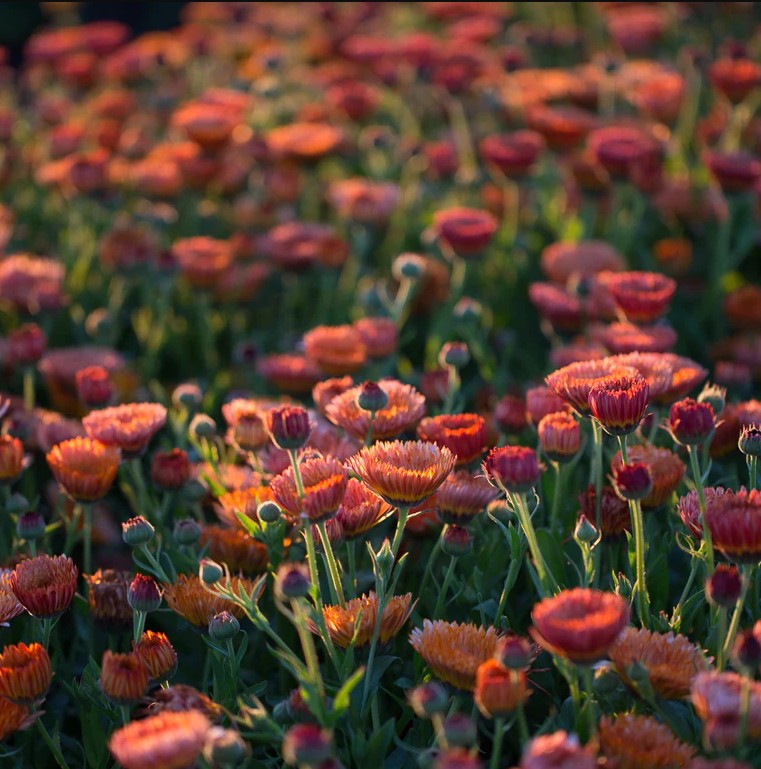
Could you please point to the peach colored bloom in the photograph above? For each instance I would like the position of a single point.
(25, 673)
(345, 624)
(129, 426)
(641, 742)
(45, 585)
(84, 468)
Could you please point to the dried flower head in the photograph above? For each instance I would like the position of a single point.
(107, 598)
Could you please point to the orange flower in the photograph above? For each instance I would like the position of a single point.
(325, 482)
(717, 699)
(45, 585)
(657, 369)
(244, 501)
(181, 698)
(25, 673)
(463, 434)
(167, 740)
(499, 691)
(107, 598)
(674, 255)
(665, 468)
(235, 548)
(559, 436)
(289, 373)
(187, 597)
(360, 510)
(9, 605)
(558, 750)
(541, 401)
(129, 426)
(734, 520)
(297, 246)
(403, 473)
(203, 260)
(735, 78)
(123, 678)
(462, 497)
(619, 404)
(404, 409)
(579, 624)
(13, 718)
(563, 127)
(345, 623)
(574, 382)
(641, 742)
(324, 392)
(671, 661)
(209, 125)
(467, 231)
(84, 468)
(742, 307)
(11, 458)
(643, 297)
(336, 350)
(156, 654)
(622, 338)
(304, 142)
(380, 336)
(563, 261)
(454, 651)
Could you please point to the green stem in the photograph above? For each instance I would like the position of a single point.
(721, 636)
(734, 625)
(47, 627)
(697, 477)
(555, 511)
(351, 553)
(399, 533)
(54, 748)
(233, 668)
(523, 727)
(512, 571)
(138, 624)
(29, 396)
(597, 474)
(124, 709)
(496, 750)
(444, 587)
(435, 550)
(549, 585)
(335, 575)
(587, 677)
(369, 436)
(752, 462)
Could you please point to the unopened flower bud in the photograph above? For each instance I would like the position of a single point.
(225, 747)
(633, 481)
(186, 532)
(292, 581)
(209, 572)
(749, 441)
(30, 525)
(724, 586)
(188, 397)
(428, 699)
(455, 354)
(288, 427)
(456, 541)
(137, 531)
(223, 626)
(17, 503)
(459, 730)
(144, 594)
(585, 530)
(746, 652)
(269, 512)
(202, 426)
(715, 396)
(372, 397)
(306, 745)
(409, 266)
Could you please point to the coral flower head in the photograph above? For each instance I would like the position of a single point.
(360, 510)
(512, 468)
(558, 750)
(129, 426)
(619, 404)
(574, 381)
(9, 605)
(187, 597)
(641, 742)
(643, 297)
(734, 520)
(666, 470)
(356, 621)
(462, 497)
(25, 673)
(84, 468)
(45, 585)
(463, 434)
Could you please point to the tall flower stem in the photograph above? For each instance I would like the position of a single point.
(138, 625)
(496, 750)
(555, 510)
(721, 636)
(596, 479)
(335, 574)
(399, 533)
(752, 462)
(85, 511)
(547, 581)
(351, 557)
(587, 677)
(444, 587)
(29, 398)
(697, 477)
(734, 624)
(638, 526)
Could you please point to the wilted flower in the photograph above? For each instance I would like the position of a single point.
(107, 597)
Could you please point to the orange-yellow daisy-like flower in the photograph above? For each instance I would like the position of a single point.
(166, 740)
(671, 661)
(11, 458)
(463, 434)
(403, 473)
(665, 468)
(13, 718)
(157, 655)
(245, 501)
(579, 624)
(717, 699)
(336, 350)
(345, 623)
(454, 651)
(574, 381)
(9, 604)
(25, 673)
(499, 691)
(641, 742)
(655, 368)
(360, 510)
(123, 678)
(187, 597)
(404, 410)
(559, 436)
(45, 585)
(462, 497)
(324, 480)
(129, 426)
(84, 468)
(235, 548)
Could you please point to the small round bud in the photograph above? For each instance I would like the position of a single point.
(746, 652)
(428, 699)
(409, 266)
(306, 744)
(280, 713)
(724, 586)
(749, 441)
(288, 426)
(514, 652)
(30, 525)
(292, 581)
(605, 682)
(137, 531)
(585, 530)
(188, 397)
(94, 388)
(144, 594)
(269, 511)
(459, 730)
(691, 422)
(454, 354)
(516, 468)
(456, 541)
(170, 469)
(715, 396)
(17, 503)
(202, 426)
(385, 557)
(372, 397)
(633, 481)
(225, 747)
(468, 310)
(209, 572)
(186, 532)
(223, 626)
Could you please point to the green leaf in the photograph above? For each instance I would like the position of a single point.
(343, 697)
(552, 553)
(252, 527)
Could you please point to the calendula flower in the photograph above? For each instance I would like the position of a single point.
(13, 718)
(541, 401)
(404, 410)
(641, 742)
(163, 741)
(513, 153)
(557, 305)
(691, 422)
(671, 661)
(84, 468)
(619, 404)
(380, 336)
(360, 510)
(156, 654)
(734, 77)
(180, 698)
(514, 468)
(656, 369)
(9, 604)
(558, 750)
(614, 511)
(45, 585)
(665, 467)
(25, 673)
(403, 473)
(499, 691)
(170, 470)
(574, 382)
(11, 458)
(734, 520)
(324, 392)
(244, 501)
(324, 480)
(289, 373)
(623, 338)
(304, 142)
(563, 260)
(345, 623)
(559, 436)
(107, 598)
(643, 297)
(463, 496)
(187, 597)
(686, 375)
(579, 624)
(129, 426)
(336, 350)
(453, 651)
(463, 434)
(717, 699)
(235, 548)
(123, 678)
(467, 231)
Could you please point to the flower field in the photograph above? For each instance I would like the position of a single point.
(380, 388)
